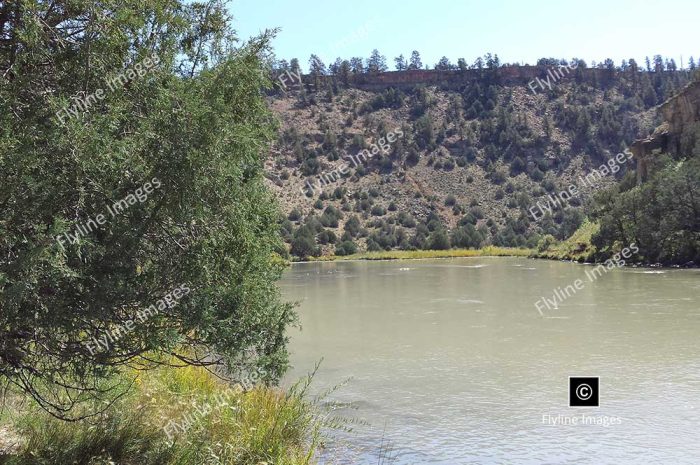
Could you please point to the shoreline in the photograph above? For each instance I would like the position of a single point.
(400, 255)
(423, 254)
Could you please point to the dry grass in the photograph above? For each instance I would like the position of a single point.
(263, 425)
(490, 251)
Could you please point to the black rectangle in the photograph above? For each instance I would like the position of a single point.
(584, 391)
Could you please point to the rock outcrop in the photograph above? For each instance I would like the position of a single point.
(680, 112)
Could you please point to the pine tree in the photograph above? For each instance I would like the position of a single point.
(443, 64)
(357, 65)
(415, 62)
(294, 66)
(376, 62)
(401, 63)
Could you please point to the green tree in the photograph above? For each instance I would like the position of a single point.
(376, 62)
(415, 62)
(346, 248)
(443, 64)
(184, 139)
(439, 240)
(401, 63)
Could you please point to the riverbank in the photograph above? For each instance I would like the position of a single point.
(489, 251)
(171, 416)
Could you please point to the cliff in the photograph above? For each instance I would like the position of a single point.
(450, 79)
(679, 112)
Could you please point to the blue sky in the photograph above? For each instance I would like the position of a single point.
(518, 31)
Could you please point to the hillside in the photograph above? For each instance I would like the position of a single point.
(467, 159)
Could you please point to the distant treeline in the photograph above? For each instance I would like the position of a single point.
(377, 63)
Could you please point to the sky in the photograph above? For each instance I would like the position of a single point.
(517, 30)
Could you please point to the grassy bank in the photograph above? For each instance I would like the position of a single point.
(577, 248)
(422, 254)
(181, 416)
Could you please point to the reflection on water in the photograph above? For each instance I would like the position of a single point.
(451, 363)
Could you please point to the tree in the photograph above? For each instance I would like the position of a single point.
(357, 65)
(492, 61)
(139, 229)
(439, 240)
(462, 64)
(443, 64)
(401, 63)
(376, 62)
(334, 68)
(415, 62)
(304, 246)
(658, 64)
(294, 66)
(344, 71)
(346, 248)
(317, 69)
(316, 66)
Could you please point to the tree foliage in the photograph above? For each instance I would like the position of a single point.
(198, 123)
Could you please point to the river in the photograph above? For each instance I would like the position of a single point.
(450, 362)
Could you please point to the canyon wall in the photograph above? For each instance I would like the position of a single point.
(680, 112)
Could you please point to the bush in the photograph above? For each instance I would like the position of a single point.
(545, 243)
(450, 200)
(326, 237)
(498, 177)
(372, 246)
(346, 248)
(439, 240)
(537, 175)
(295, 215)
(378, 210)
(305, 246)
(352, 226)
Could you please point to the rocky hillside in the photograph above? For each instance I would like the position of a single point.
(429, 161)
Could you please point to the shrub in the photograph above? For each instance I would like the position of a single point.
(294, 215)
(546, 242)
(378, 210)
(305, 246)
(346, 248)
(439, 240)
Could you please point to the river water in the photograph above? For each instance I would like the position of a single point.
(450, 362)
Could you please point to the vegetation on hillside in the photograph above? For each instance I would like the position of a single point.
(661, 215)
(473, 163)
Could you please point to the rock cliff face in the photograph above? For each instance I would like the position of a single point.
(451, 79)
(680, 112)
